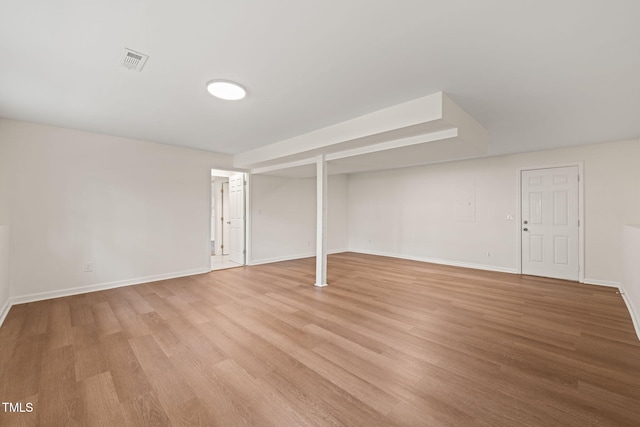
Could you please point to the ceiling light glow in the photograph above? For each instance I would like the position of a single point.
(225, 89)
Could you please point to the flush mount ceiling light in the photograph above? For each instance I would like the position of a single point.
(225, 89)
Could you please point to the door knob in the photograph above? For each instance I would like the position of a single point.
(526, 222)
(525, 229)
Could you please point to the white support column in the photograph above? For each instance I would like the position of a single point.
(321, 226)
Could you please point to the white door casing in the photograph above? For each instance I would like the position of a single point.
(213, 210)
(224, 219)
(236, 218)
(550, 222)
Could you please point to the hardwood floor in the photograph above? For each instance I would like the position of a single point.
(388, 342)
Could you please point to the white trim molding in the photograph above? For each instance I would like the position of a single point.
(599, 282)
(282, 258)
(293, 257)
(635, 318)
(5, 310)
(439, 261)
(40, 296)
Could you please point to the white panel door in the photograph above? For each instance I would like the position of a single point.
(236, 218)
(550, 222)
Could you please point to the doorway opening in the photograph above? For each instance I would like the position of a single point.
(227, 222)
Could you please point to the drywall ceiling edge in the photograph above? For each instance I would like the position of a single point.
(405, 115)
(451, 121)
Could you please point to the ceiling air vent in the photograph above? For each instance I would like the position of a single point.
(133, 60)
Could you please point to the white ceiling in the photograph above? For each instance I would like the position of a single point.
(535, 74)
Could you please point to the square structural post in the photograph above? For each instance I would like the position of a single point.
(321, 223)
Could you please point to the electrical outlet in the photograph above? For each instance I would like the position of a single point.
(488, 253)
(88, 267)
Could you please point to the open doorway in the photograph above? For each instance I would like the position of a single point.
(227, 219)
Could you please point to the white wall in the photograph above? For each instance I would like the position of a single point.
(138, 211)
(283, 217)
(338, 221)
(631, 272)
(412, 212)
(5, 227)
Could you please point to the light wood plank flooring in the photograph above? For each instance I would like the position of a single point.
(388, 342)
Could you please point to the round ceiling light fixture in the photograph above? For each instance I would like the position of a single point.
(225, 89)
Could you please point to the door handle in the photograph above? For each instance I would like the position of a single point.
(525, 229)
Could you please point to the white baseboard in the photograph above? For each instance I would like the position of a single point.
(292, 257)
(39, 296)
(599, 282)
(337, 251)
(439, 261)
(280, 259)
(5, 310)
(635, 316)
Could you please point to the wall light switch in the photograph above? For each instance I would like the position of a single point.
(88, 267)
(511, 217)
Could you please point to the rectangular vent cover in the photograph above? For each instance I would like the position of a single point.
(133, 60)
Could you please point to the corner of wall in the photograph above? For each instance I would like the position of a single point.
(5, 283)
(630, 287)
(89, 193)
(635, 316)
(4, 310)
(5, 220)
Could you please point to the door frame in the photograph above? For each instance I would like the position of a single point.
(581, 257)
(223, 216)
(247, 218)
(247, 214)
(237, 219)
